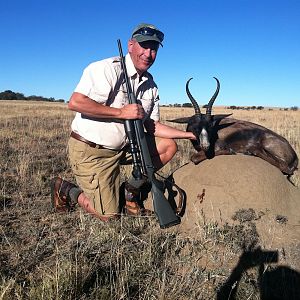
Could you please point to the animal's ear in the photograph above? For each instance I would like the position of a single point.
(220, 117)
(180, 120)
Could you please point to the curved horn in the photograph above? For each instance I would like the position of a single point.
(213, 98)
(194, 102)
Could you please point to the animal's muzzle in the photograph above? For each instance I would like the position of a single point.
(203, 140)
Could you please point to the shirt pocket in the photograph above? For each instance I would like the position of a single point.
(147, 105)
(121, 99)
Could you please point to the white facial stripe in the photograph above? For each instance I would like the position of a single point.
(204, 142)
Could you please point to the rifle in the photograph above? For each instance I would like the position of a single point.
(142, 163)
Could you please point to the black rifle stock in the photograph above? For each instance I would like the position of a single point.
(142, 162)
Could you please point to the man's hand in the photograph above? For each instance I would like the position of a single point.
(132, 112)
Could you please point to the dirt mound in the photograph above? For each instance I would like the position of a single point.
(241, 188)
(230, 183)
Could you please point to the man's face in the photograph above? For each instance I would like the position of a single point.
(142, 54)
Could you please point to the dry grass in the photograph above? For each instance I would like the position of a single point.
(44, 255)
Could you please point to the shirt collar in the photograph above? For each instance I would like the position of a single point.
(131, 70)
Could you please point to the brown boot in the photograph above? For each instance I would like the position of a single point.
(61, 200)
(133, 204)
(132, 194)
(134, 209)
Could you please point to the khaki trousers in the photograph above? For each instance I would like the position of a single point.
(97, 172)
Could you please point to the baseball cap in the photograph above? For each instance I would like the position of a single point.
(147, 32)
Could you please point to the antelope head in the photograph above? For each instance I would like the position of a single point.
(202, 125)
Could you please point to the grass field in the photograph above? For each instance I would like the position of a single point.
(44, 255)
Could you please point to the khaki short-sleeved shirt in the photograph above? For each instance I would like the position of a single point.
(103, 82)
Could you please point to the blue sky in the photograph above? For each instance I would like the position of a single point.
(251, 46)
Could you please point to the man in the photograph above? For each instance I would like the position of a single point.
(98, 142)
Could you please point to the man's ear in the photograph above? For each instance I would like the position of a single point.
(130, 45)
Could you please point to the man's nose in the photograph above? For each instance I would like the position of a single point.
(147, 52)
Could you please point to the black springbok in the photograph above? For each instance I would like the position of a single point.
(220, 135)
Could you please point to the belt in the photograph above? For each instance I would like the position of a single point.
(78, 137)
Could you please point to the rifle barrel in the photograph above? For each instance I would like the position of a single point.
(137, 139)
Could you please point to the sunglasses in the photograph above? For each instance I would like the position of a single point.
(150, 32)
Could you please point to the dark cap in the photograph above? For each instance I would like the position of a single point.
(147, 32)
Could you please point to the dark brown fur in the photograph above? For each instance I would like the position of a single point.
(220, 135)
(233, 136)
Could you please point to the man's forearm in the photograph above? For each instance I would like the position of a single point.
(83, 104)
(165, 131)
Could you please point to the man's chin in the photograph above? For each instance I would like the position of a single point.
(146, 66)
(143, 69)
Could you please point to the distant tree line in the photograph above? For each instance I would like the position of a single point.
(178, 105)
(10, 95)
(246, 107)
(232, 107)
(294, 108)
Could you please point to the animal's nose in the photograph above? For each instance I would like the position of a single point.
(205, 147)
